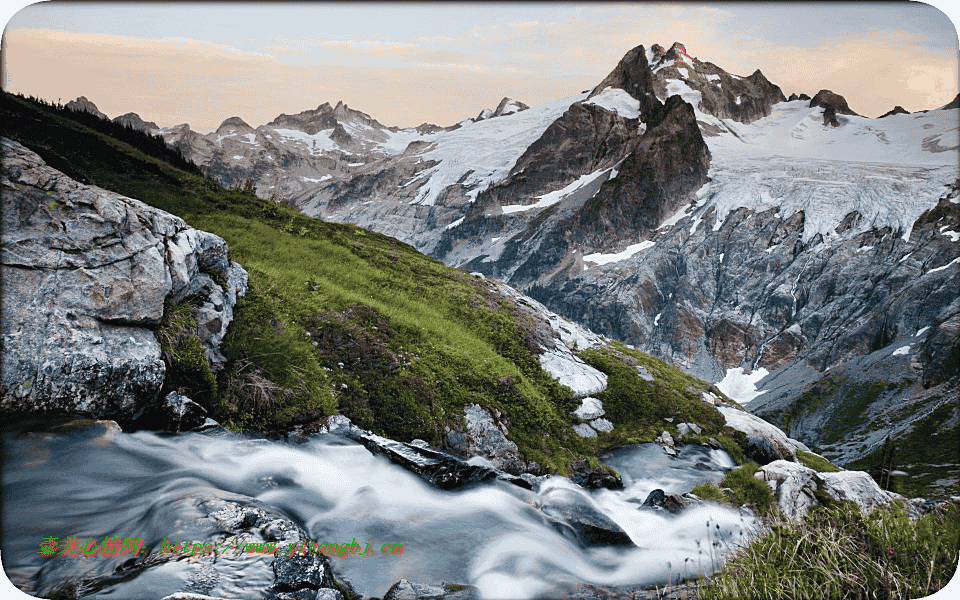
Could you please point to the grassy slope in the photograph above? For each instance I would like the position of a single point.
(341, 319)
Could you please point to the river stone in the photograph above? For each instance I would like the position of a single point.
(487, 439)
(408, 590)
(592, 528)
(298, 571)
(85, 273)
(440, 469)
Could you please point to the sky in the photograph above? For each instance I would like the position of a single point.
(409, 63)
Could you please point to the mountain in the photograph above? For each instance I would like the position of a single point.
(754, 241)
(81, 104)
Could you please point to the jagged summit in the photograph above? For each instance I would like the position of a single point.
(633, 75)
(897, 110)
(235, 123)
(955, 103)
(507, 106)
(134, 121)
(81, 104)
(794, 96)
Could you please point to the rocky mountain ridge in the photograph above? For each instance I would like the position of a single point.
(696, 214)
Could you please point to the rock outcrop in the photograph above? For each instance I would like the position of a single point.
(134, 121)
(897, 110)
(86, 273)
(828, 99)
(81, 104)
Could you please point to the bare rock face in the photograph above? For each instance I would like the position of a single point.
(794, 486)
(897, 110)
(134, 121)
(85, 276)
(81, 104)
(828, 99)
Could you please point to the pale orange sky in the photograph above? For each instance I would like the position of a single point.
(408, 64)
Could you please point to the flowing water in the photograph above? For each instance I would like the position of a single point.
(490, 535)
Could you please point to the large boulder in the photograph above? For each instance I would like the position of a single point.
(767, 442)
(486, 438)
(795, 487)
(85, 277)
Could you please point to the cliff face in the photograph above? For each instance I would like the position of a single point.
(86, 274)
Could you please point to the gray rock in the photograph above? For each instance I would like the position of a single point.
(486, 438)
(644, 373)
(407, 590)
(440, 469)
(81, 104)
(602, 425)
(767, 442)
(793, 484)
(584, 430)
(85, 273)
(573, 509)
(665, 439)
(298, 571)
(590, 408)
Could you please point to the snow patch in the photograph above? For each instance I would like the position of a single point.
(618, 101)
(680, 214)
(554, 197)
(921, 331)
(740, 386)
(683, 73)
(713, 78)
(237, 157)
(953, 235)
(903, 350)
(952, 262)
(455, 223)
(864, 249)
(603, 259)
(317, 180)
(795, 328)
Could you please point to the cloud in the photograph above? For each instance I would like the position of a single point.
(525, 24)
(441, 39)
(373, 45)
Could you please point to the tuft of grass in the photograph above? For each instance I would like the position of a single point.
(747, 489)
(817, 463)
(837, 552)
(709, 491)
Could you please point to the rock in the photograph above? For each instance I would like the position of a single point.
(644, 374)
(572, 372)
(897, 110)
(584, 430)
(671, 503)
(175, 413)
(88, 272)
(298, 571)
(591, 527)
(602, 425)
(440, 469)
(830, 117)
(665, 439)
(767, 442)
(828, 99)
(794, 484)
(81, 104)
(857, 486)
(590, 408)
(341, 425)
(133, 121)
(406, 590)
(485, 438)
(596, 478)
(670, 451)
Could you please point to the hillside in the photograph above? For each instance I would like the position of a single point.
(339, 319)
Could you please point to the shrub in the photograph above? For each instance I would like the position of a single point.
(817, 463)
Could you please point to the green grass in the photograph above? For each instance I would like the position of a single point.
(817, 463)
(709, 491)
(747, 489)
(836, 552)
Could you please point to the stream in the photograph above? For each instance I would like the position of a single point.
(491, 535)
